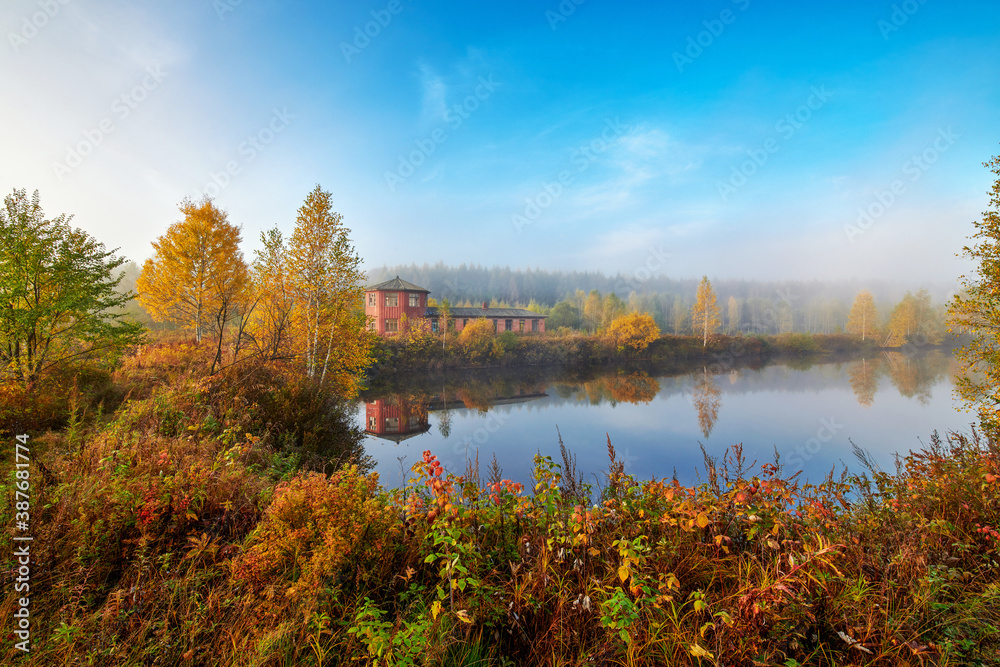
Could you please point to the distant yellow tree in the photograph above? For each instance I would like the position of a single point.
(903, 322)
(197, 275)
(863, 319)
(329, 323)
(705, 312)
(634, 332)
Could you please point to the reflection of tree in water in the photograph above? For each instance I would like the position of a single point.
(444, 419)
(637, 387)
(706, 401)
(863, 377)
(634, 388)
(915, 375)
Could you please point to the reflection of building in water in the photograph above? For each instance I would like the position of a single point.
(395, 418)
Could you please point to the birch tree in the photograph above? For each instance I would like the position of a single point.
(327, 284)
(705, 312)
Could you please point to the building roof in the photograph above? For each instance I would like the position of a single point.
(397, 284)
(484, 312)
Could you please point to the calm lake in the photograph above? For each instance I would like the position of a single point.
(808, 413)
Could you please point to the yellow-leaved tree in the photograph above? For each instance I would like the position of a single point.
(633, 332)
(976, 312)
(328, 319)
(705, 312)
(197, 276)
(863, 319)
(269, 325)
(903, 321)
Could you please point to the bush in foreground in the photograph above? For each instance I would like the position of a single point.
(179, 542)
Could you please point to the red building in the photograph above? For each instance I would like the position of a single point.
(388, 305)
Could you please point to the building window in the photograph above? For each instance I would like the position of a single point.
(392, 299)
(392, 424)
(521, 326)
(534, 325)
(465, 322)
(434, 326)
(372, 325)
(391, 326)
(414, 300)
(414, 422)
(372, 299)
(508, 325)
(495, 322)
(372, 423)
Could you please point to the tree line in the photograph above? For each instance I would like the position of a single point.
(570, 298)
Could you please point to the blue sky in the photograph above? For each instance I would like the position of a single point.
(743, 138)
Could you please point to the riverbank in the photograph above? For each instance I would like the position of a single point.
(581, 352)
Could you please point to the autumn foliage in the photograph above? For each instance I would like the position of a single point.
(633, 332)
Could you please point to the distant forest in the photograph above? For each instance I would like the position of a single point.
(749, 306)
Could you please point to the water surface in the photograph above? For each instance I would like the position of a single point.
(808, 414)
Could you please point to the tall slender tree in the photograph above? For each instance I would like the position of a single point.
(328, 285)
(863, 319)
(705, 312)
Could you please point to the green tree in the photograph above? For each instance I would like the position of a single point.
(705, 312)
(58, 297)
(863, 319)
(611, 307)
(976, 312)
(563, 314)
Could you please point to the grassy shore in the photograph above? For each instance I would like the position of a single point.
(583, 351)
(231, 520)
